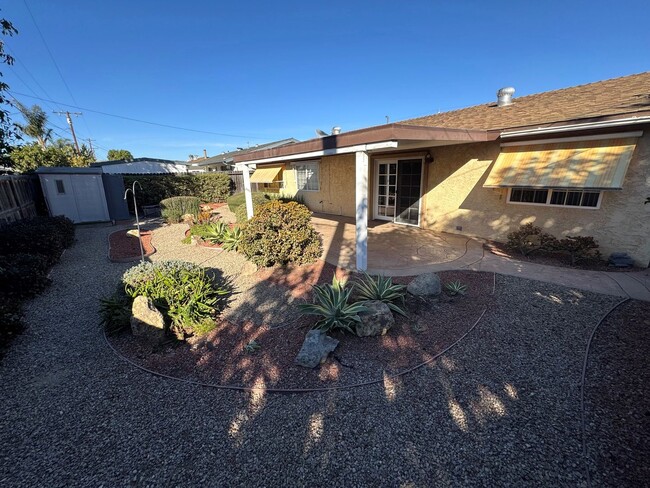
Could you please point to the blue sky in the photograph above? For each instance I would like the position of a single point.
(250, 72)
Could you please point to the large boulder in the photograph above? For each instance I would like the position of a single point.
(376, 320)
(425, 284)
(315, 349)
(146, 319)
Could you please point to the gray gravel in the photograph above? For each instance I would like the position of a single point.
(501, 409)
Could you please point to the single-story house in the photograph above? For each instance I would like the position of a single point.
(225, 161)
(574, 161)
(141, 166)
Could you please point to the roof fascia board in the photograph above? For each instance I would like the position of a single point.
(388, 132)
(325, 152)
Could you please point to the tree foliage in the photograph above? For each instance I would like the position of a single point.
(60, 153)
(36, 123)
(119, 154)
(7, 129)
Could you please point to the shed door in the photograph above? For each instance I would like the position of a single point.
(90, 198)
(60, 196)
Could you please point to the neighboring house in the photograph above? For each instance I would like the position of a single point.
(142, 166)
(573, 161)
(225, 161)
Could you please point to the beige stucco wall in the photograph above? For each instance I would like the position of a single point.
(455, 198)
(336, 195)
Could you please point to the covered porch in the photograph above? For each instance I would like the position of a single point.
(394, 249)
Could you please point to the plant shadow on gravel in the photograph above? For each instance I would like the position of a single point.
(270, 319)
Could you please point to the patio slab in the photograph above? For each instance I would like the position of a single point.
(400, 250)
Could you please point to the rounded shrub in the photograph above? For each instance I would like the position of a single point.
(188, 297)
(174, 208)
(281, 233)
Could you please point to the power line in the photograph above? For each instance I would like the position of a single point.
(137, 120)
(28, 72)
(56, 65)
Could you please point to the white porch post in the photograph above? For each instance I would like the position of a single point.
(247, 190)
(362, 210)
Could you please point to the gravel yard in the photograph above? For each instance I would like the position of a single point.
(502, 408)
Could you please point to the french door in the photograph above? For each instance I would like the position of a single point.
(398, 190)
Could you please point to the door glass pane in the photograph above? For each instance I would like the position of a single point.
(408, 190)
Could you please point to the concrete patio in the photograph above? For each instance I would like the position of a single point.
(401, 250)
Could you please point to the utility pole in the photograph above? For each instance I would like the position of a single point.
(92, 149)
(69, 120)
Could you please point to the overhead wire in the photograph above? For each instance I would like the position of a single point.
(132, 119)
(56, 65)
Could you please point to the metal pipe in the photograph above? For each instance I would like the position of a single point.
(137, 219)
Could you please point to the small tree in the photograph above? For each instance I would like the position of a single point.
(119, 154)
(36, 124)
(7, 129)
(60, 153)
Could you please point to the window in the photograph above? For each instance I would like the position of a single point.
(556, 198)
(307, 177)
(60, 189)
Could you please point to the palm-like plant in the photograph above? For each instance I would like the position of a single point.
(382, 289)
(36, 126)
(333, 307)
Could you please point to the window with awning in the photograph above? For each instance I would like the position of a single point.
(584, 165)
(267, 175)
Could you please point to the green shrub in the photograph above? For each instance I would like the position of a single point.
(23, 275)
(237, 204)
(331, 304)
(281, 233)
(188, 297)
(115, 311)
(529, 238)
(47, 236)
(382, 289)
(175, 207)
(207, 187)
(579, 248)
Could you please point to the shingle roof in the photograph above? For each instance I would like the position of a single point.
(227, 157)
(617, 96)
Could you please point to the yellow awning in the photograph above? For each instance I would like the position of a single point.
(265, 175)
(599, 164)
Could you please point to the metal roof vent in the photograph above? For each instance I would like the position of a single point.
(504, 96)
(336, 131)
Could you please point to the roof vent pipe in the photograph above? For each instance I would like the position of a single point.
(336, 131)
(504, 96)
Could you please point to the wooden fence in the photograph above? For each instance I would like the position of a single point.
(237, 181)
(17, 198)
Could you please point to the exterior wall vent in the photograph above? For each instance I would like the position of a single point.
(504, 96)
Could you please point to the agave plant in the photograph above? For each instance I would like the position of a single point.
(231, 239)
(333, 307)
(455, 288)
(215, 232)
(382, 289)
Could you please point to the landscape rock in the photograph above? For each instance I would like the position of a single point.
(146, 319)
(425, 284)
(376, 321)
(621, 260)
(315, 349)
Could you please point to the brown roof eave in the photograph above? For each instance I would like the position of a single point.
(388, 132)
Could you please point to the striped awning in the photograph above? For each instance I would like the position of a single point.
(594, 164)
(266, 175)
